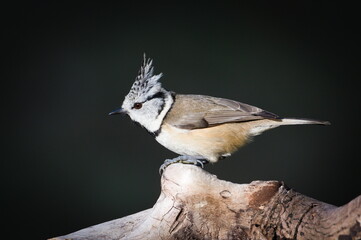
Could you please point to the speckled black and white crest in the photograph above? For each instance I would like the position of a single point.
(146, 83)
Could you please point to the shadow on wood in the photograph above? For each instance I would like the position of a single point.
(196, 205)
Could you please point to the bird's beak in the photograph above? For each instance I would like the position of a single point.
(118, 111)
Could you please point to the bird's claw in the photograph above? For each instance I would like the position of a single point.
(184, 160)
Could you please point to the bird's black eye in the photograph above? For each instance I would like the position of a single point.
(137, 105)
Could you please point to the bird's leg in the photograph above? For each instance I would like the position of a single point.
(183, 159)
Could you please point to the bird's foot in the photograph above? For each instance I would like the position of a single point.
(183, 159)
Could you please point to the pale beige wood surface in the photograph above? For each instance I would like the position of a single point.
(194, 204)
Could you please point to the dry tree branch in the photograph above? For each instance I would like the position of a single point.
(194, 204)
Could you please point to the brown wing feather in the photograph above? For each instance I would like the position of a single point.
(197, 111)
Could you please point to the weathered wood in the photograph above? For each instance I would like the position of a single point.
(196, 205)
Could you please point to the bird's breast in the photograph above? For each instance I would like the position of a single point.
(210, 143)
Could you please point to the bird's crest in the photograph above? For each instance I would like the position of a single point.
(146, 82)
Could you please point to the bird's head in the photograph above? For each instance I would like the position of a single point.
(147, 102)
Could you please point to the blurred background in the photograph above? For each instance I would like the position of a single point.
(67, 165)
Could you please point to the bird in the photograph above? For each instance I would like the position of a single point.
(200, 128)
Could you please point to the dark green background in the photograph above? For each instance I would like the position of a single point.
(67, 165)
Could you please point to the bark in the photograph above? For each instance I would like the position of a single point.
(194, 204)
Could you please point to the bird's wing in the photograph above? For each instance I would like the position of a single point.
(197, 111)
(233, 111)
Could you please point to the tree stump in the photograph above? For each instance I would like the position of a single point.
(194, 204)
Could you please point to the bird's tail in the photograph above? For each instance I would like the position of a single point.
(300, 121)
(257, 127)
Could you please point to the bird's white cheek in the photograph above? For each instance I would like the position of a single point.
(147, 120)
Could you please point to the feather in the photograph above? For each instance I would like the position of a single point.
(197, 111)
(146, 83)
